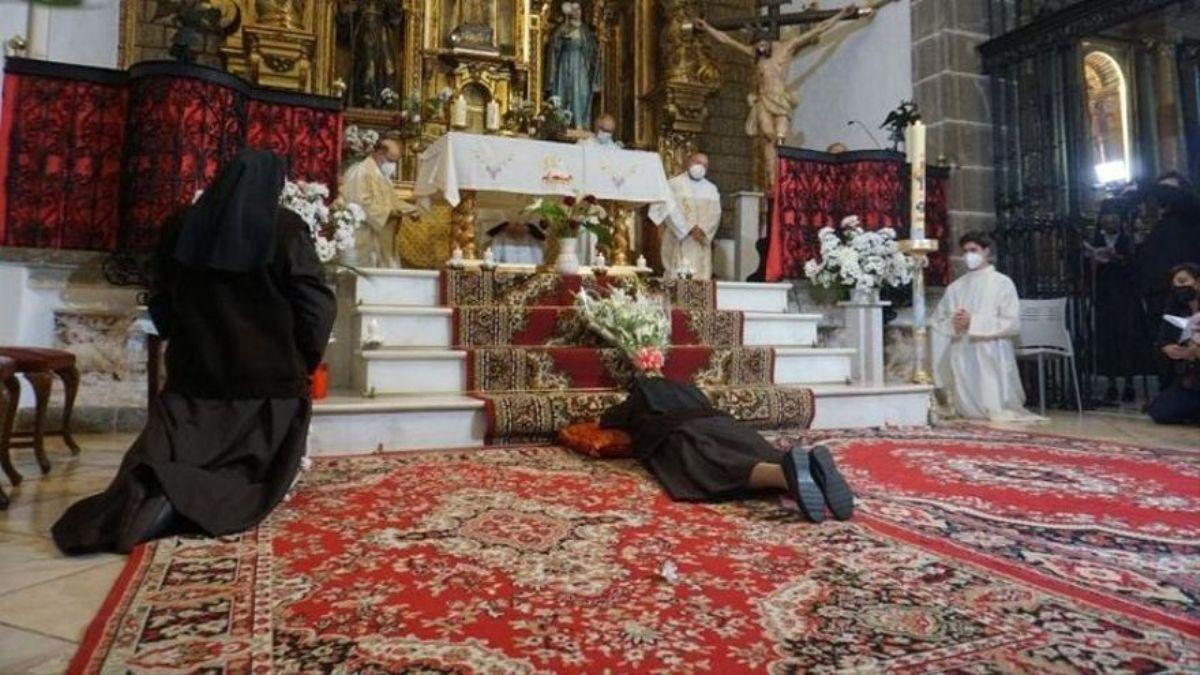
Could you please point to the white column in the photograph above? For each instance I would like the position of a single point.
(864, 334)
(748, 229)
(38, 31)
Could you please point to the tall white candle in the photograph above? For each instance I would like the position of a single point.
(493, 116)
(458, 113)
(915, 145)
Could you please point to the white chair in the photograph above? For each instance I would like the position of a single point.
(1044, 333)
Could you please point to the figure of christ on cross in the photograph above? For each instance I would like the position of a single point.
(771, 104)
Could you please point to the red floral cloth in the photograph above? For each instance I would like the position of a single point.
(818, 189)
(97, 159)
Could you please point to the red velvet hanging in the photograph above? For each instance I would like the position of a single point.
(97, 159)
(818, 189)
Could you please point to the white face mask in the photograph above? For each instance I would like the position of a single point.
(697, 171)
(604, 137)
(388, 169)
(974, 260)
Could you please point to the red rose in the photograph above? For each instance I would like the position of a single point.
(590, 199)
(575, 225)
(569, 201)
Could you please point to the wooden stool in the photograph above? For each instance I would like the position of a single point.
(39, 366)
(9, 393)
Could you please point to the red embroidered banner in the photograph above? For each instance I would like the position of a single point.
(818, 189)
(96, 159)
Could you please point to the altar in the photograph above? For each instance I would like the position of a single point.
(474, 172)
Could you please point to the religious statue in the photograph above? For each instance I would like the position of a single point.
(771, 104)
(371, 29)
(573, 73)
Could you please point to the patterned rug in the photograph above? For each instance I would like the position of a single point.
(518, 417)
(500, 325)
(972, 552)
(471, 288)
(503, 369)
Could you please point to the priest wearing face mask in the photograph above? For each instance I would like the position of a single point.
(689, 229)
(974, 330)
(606, 130)
(368, 183)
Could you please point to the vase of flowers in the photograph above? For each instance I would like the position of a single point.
(862, 262)
(638, 325)
(332, 226)
(567, 262)
(565, 219)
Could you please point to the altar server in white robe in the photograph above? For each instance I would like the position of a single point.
(974, 330)
(517, 243)
(689, 228)
(368, 183)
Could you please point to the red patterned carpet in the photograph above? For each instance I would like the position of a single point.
(974, 551)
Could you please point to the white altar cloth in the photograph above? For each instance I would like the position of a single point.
(523, 166)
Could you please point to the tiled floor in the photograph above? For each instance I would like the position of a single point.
(46, 601)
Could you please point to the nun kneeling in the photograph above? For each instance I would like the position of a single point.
(241, 300)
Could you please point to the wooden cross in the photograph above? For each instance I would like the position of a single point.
(774, 18)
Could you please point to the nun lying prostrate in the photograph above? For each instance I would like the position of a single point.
(700, 453)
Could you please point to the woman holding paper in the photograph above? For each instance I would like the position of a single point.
(1179, 342)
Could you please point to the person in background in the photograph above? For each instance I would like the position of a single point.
(517, 243)
(605, 134)
(1173, 240)
(241, 299)
(1119, 313)
(688, 230)
(368, 183)
(1179, 403)
(974, 330)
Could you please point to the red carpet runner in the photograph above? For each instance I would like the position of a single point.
(975, 550)
(537, 367)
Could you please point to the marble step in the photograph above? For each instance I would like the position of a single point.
(348, 424)
(433, 327)
(444, 371)
(748, 296)
(421, 288)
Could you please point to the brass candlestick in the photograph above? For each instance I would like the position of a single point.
(919, 250)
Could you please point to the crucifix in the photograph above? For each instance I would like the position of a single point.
(771, 104)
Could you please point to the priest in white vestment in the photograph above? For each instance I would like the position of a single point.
(689, 229)
(516, 243)
(974, 331)
(368, 183)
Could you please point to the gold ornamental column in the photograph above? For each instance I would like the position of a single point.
(623, 219)
(691, 77)
(462, 223)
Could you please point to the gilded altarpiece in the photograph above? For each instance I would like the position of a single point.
(657, 74)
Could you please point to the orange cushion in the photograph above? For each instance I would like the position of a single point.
(589, 439)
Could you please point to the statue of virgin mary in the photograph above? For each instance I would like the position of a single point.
(573, 71)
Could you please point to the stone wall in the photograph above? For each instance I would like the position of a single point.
(953, 94)
(151, 40)
(730, 152)
(860, 71)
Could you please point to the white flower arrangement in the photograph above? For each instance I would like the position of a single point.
(852, 257)
(333, 226)
(359, 142)
(636, 324)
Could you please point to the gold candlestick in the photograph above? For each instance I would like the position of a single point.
(919, 250)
